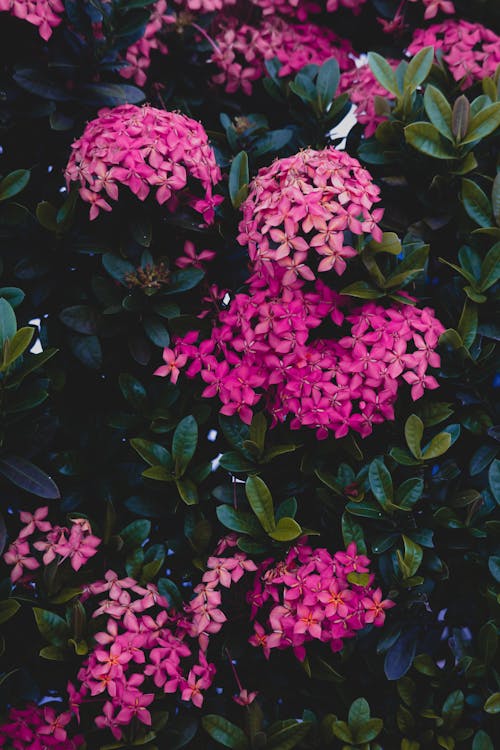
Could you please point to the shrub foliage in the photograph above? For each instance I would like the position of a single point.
(249, 433)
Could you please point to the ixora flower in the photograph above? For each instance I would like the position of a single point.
(241, 50)
(433, 7)
(363, 88)
(75, 543)
(38, 728)
(313, 595)
(46, 14)
(138, 55)
(471, 51)
(265, 346)
(146, 150)
(308, 208)
(204, 6)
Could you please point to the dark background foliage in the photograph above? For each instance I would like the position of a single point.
(69, 414)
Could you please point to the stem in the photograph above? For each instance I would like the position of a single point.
(207, 37)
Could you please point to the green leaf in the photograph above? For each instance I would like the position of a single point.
(437, 446)
(53, 653)
(239, 179)
(390, 244)
(135, 534)
(17, 345)
(438, 110)
(133, 391)
(13, 183)
(381, 482)
(418, 69)
(80, 318)
(52, 627)
(484, 123)
(224, 732)
(467, 325)
(453, 708)
(362, 290)
(427, 139)
(412, 265)
(482, 741)
(341, 730)
(117, 267)
(110, 94)
(8, 323)
(288, 736)
(156, 331)
(87, 349)
(286, 530)
(414, 430)
(187, 490)
(490, 268)
(152, 453)
(8, 608)
(13, 295)
(409, 493)
(159, 474)
(184, 444)
(237, 520)
(476, 203)
(184, 279)
(327, 82)
(235, 462)
(383, 73)
(492, 705)
(29, 477)
(369, 731)
(413, 555)
(353, 532)
(261, 502)
(495, 199)
(359, 713)
(494, 566)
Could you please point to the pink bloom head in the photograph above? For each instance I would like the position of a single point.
(138, 55)
(146, 150)
(242, 50)
(471, 51)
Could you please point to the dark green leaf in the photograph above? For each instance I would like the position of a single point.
(13, 183)
(29, 477)
(224, 732)
(184, 444)
(261, 502)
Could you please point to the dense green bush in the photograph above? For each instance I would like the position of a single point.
(151, 466)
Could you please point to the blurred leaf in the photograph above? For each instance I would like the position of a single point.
(224, 732)
(14, 183)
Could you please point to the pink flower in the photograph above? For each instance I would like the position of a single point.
(173, 364)
(54, 724)
(244, 697)
(18, 556)
(375, 607)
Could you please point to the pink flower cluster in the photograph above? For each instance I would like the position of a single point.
(38, 728)
(76, 543)
(204, 6)
(241, 50)
(363, 87)
(46, 14)
(145, 149)
(311, 598)
(308, 205)
(138, 55)
(266, 346)
(471, 51)
(146, 647)
(301, 10)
